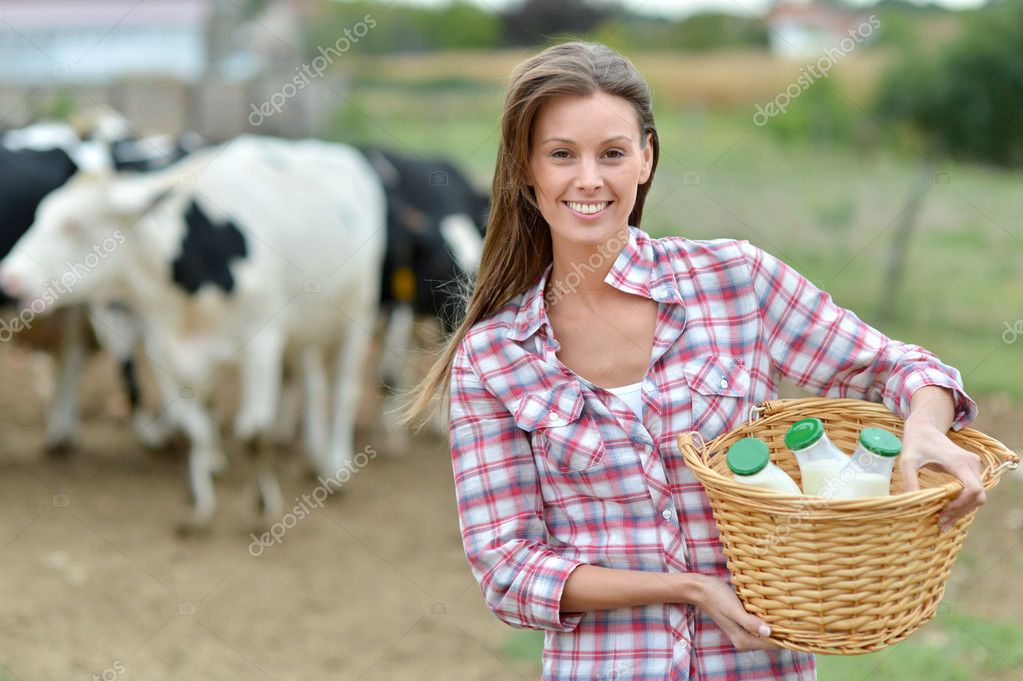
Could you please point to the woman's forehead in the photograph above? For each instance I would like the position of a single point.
(580, 118)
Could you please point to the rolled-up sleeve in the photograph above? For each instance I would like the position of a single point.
(829, 350)
(500, 509)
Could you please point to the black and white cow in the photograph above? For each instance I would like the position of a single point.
(435, 225)
(260, 253)
(35, 161)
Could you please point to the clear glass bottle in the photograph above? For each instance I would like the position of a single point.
(750, 461)
(872, 463)
(820, 461)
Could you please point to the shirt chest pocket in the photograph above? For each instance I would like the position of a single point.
(720, 387)
(567, 436)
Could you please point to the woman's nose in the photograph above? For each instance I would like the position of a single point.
(590, 177)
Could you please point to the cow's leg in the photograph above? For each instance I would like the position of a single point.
(260, 379)
(315, 435)
(396, 344)
(60, 427)
(185, 408)
(348, 364)
(120, 332)
(433, 335)
(399, 336)
(269, 500)
(286, 425)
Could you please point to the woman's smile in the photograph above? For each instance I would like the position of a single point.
(588, 210)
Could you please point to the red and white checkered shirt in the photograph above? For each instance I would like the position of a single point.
(552, 471)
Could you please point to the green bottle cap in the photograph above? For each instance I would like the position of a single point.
(748, 456)
(804, 433)
(880, 441)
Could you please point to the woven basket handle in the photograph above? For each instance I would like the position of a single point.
(693, 435)
(1009, 465)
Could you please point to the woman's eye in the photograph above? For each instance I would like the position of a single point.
(615, 153)
(560, 153)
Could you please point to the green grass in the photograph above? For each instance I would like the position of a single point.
(952, 647)
(828, 212)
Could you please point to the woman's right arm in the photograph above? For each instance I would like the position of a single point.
(500, 508)
(596, 588)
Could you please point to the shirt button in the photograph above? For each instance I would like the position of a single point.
(555, 418)
(684, 643)
(724, 382)
(666, 514)
(648, 386)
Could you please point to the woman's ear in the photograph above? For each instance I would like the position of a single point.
(648, 158)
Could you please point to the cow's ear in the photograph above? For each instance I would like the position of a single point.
(138, 195)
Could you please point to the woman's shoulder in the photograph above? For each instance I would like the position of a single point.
(701, 254)
(493, 330)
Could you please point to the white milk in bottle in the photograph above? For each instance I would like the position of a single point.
(750, 462)
(820, 461)
(872, 463)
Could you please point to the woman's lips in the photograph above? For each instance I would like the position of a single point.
(588, 209)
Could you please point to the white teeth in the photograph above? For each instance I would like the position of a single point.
(587, 208)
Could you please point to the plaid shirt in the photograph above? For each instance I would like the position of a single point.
(552, 471)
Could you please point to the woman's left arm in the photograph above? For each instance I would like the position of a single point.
(828, 349)
(925, 443)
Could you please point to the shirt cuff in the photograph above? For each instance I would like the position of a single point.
(965, 407)
(546, 584)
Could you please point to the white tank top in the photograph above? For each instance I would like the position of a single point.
(632, 395)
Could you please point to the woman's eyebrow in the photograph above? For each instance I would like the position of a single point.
(568, 141)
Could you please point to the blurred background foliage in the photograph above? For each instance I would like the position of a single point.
(954, 79)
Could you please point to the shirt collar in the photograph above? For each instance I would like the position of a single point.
(641, 268)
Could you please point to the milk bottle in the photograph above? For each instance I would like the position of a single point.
(820, 461)
(872, 463)
(750, 462)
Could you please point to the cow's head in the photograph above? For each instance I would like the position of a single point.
(77, 247)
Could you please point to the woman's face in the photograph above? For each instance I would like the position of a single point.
(586, 162)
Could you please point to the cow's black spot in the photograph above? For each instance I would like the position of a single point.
(26, 177)
(207, 251)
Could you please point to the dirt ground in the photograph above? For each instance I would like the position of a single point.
(94, 582)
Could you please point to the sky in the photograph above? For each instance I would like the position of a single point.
(677, 8)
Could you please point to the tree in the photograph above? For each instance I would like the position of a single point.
(969, 101)
(536, 20)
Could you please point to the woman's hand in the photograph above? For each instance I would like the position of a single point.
(745, 631)
(925, 445)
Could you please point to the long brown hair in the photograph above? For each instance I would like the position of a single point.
(517, 247)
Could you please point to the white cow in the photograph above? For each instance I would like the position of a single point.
(255, 253)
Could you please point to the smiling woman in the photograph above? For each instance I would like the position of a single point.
(594, 177)
(577, 514)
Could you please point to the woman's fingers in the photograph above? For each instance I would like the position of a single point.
(751, 633)
(910, 476)
(967, 468)
(742, 639)
(937, 450)
(744, 631)
(755, 626)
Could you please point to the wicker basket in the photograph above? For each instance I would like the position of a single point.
(836, 576)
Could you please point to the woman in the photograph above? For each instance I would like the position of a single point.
(588, 346)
